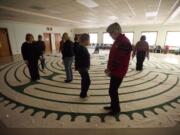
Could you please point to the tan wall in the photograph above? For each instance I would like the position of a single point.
(18, 30)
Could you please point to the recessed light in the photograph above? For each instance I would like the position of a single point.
(88, 21)
(88, 3)
(151, 14)
(113, 17)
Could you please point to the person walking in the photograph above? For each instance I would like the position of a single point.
(141, 51)
(42, 47)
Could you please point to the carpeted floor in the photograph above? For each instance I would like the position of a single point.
(150, 98)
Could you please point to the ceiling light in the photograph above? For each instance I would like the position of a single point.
(151, 14)
(88, 21)
(113, 17)
(88, 3)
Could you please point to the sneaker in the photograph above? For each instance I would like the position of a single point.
(84, 98)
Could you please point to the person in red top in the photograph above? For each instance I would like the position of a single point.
(117, 66)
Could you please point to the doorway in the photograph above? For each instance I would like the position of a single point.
(57, 41)
(5, 49)
(48, 42)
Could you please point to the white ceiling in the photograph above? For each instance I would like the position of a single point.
(72, 14)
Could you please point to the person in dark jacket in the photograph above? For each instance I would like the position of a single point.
(117, 66)
(61, 45)
(76, 45)
(141, 51)
(83, 64)
(31, 53)
(67, 56)
(42, 47)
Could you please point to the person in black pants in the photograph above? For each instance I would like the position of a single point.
(140, 59)
(31, 53)
(76, 46)
(42, 47)
(113, 92)
(117, 66)
(82, 63)
(141, 50)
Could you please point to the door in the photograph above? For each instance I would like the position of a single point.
(57, 41)
(5, 49)
(48, 43)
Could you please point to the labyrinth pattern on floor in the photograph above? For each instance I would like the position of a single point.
(150, 98)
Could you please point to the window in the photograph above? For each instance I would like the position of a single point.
(173, 39)
(150, 37)
(130, 36)
(93, 38)
(107, 39)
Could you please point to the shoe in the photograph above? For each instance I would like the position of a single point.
(67, 81)
(113, 113)
(82, 96)
(84, 99)
(33, 80)
(107, 108)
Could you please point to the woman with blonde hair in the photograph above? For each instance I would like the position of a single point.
(67, 56)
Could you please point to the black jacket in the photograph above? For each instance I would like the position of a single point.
(82, 57)
(30, 51)
(42, 47)
(67, 49)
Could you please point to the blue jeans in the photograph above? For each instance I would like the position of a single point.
(68, 69)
